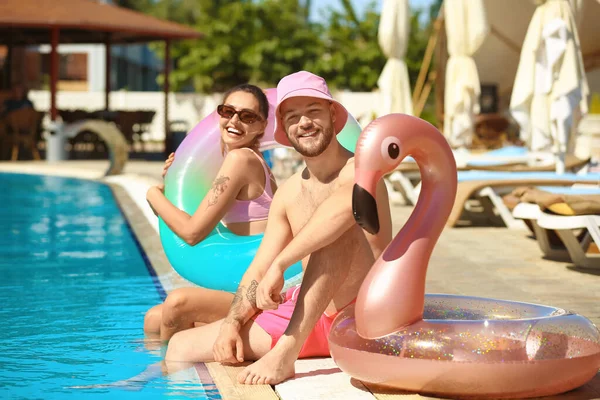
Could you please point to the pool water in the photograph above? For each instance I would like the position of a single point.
(74, 288)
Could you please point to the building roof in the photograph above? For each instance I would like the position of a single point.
(24, 22)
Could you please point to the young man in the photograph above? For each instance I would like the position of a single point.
(310, 220)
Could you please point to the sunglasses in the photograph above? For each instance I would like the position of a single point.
(246, 116)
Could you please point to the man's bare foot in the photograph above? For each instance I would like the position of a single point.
(273, 368)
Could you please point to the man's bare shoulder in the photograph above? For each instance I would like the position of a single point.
(289, 187)
(347, 172)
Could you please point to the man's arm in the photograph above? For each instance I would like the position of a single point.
(331, 219)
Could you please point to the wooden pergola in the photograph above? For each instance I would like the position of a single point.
(35, 22)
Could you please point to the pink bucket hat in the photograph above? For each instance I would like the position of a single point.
(305, 84)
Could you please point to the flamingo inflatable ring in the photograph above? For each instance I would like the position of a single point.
(396, 336)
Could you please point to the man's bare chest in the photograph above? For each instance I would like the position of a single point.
(305, 201)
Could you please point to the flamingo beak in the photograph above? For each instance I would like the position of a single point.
(364, 208)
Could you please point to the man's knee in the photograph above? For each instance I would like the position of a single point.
(177, 348)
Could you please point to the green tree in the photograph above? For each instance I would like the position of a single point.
(144, 6)
(255, 41)
(434, 9)
(260, 41)
(417, 43)
(352, 58)
(285, 41)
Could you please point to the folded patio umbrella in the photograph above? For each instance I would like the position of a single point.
(550, 89)
(394, 29)
(466, 28)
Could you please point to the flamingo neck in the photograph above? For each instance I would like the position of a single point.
(393, 293)
(427, 221)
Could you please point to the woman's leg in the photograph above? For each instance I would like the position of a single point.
(186, 307)
(152, 320)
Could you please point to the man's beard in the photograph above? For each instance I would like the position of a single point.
(313, 149)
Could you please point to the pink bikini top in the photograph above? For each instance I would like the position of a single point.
(252, 210)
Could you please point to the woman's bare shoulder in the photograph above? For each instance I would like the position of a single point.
(243, 155)
(246, 163)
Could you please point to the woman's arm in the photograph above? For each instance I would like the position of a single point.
(232, 177)
(277, 236)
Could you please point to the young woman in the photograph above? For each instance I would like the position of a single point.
(240, 197)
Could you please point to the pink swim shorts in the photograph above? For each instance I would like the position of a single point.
(275, 322)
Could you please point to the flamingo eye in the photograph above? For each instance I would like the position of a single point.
(390, 149)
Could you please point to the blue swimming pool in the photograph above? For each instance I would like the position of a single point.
(74, 288)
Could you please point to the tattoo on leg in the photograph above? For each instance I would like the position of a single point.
(218, 187)
(251, 293)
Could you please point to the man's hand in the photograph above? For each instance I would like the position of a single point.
(268, 293)
(229, 347)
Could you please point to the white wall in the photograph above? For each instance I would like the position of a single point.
(188, 107)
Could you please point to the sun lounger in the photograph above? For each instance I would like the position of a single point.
(572, 163)
(576, 244)
(548, 240)
(492, 184)
(403, 182)
(510, 155)
(549, 243)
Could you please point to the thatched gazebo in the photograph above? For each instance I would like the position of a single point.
(35, 22)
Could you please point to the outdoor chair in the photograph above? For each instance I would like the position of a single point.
(125, 122)
(143, 120)
(404, 181)
(577, 232)
(23, 127)
(548, 240)
(492, 185)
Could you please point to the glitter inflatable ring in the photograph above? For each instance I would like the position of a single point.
(469, 346)
(451, 346)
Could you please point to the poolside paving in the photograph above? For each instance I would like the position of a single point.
(474, 261)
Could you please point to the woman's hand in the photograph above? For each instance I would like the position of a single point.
(168, 163)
